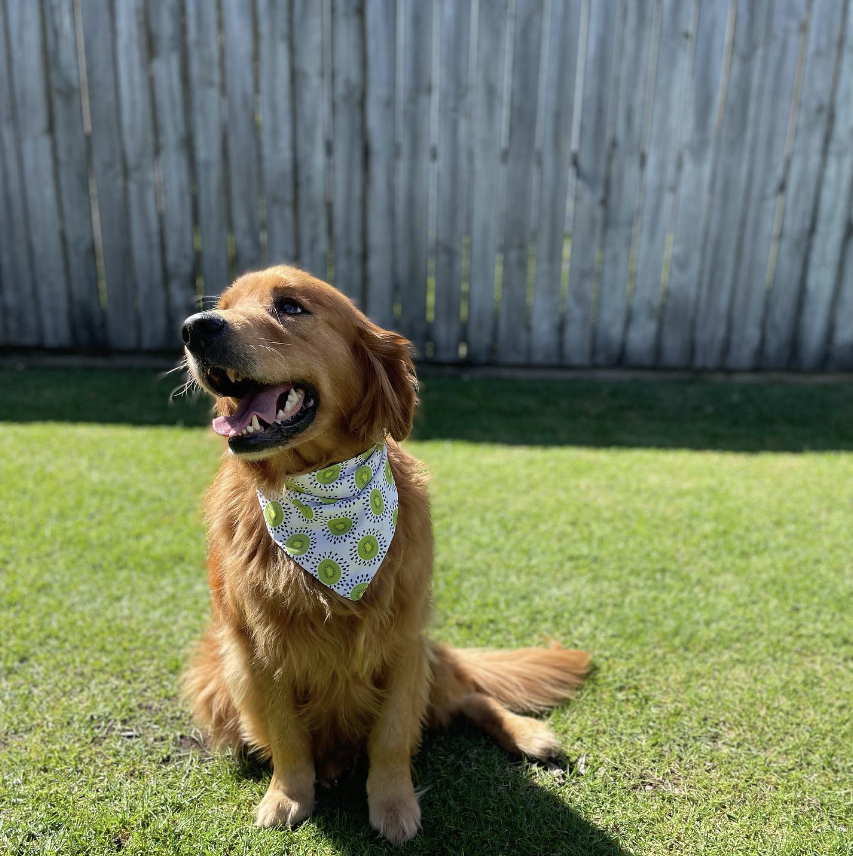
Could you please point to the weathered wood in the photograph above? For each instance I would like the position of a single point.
(277, 145)
(802, 185)
(831, 224)
(309, 89)
(108, 168)
(767, 178)
(623, 181)
(694, 186)
(364, 166)
(238, 35)
(87, 317)
(173, 149)
(454, 106)
(202, 36)
(40, 188)
(379, 101)
(589, 199)
(513, 331)
(563, 33)
(486, 135)
(348, 144)
(732, 184)
(412, 213)
(840, 346)
(19, 300)
(677, 18)
(139, 148)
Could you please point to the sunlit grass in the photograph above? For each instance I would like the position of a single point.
(710, 579)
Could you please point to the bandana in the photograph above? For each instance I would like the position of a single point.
(337, 523)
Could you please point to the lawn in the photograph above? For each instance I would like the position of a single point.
(695, 537)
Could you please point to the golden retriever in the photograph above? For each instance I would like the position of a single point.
(289, 667)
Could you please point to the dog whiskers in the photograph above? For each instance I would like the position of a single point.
(183, 365)
(187, 388)
(276, 354)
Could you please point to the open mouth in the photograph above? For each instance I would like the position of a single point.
(267, 415)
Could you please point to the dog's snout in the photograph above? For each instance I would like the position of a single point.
(201, 329)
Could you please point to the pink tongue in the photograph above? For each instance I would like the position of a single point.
(262, 404)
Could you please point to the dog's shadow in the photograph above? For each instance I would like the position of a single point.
(475, 799)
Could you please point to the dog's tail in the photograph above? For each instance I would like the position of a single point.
(491, 688)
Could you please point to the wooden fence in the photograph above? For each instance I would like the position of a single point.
(556, 182)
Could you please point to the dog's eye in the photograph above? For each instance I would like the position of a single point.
(288, 306)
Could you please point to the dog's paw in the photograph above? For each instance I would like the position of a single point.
(534, 738)
(397, 818)
(279, 809)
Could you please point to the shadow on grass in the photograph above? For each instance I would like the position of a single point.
(641, 414)
(476, 799)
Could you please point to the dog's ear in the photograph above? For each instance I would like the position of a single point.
(390, 385)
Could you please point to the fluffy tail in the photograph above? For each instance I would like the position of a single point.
(492, 687)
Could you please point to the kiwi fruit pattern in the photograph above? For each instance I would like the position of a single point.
(337, 523)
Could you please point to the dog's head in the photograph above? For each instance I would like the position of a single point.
(295, 367)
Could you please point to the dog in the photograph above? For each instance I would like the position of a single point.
(316, 649)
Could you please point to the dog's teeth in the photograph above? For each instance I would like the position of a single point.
(232, 375)
(279, 415)
(255, 424)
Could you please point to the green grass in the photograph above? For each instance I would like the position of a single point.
(694, 537)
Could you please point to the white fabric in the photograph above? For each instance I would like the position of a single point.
(337, 523)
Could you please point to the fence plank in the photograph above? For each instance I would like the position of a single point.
(43, 214)
(19, 301)
(831, 223)
(379, 117)
(453, 153)
(277, 145)
(412, 213)
(206, 110)
(513, 332)
(590, 183)
(563, 32)
(767, 178)
(658, 180)
(108, 167)
(170, 110)
(732, 184)
(694, 187)
(801, 190)
(623, 182)
(486, 135)
(308, 86)
(238, 37)
(139, 157)
(840, 346)
(348, 145)
(87, 319)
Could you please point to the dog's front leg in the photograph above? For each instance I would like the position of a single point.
(269, 721)
(394, 810)
(290, 795)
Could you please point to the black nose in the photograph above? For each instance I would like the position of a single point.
(201, 329)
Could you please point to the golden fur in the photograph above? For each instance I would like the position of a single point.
(287, 667)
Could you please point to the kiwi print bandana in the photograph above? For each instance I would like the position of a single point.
(337, 523)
